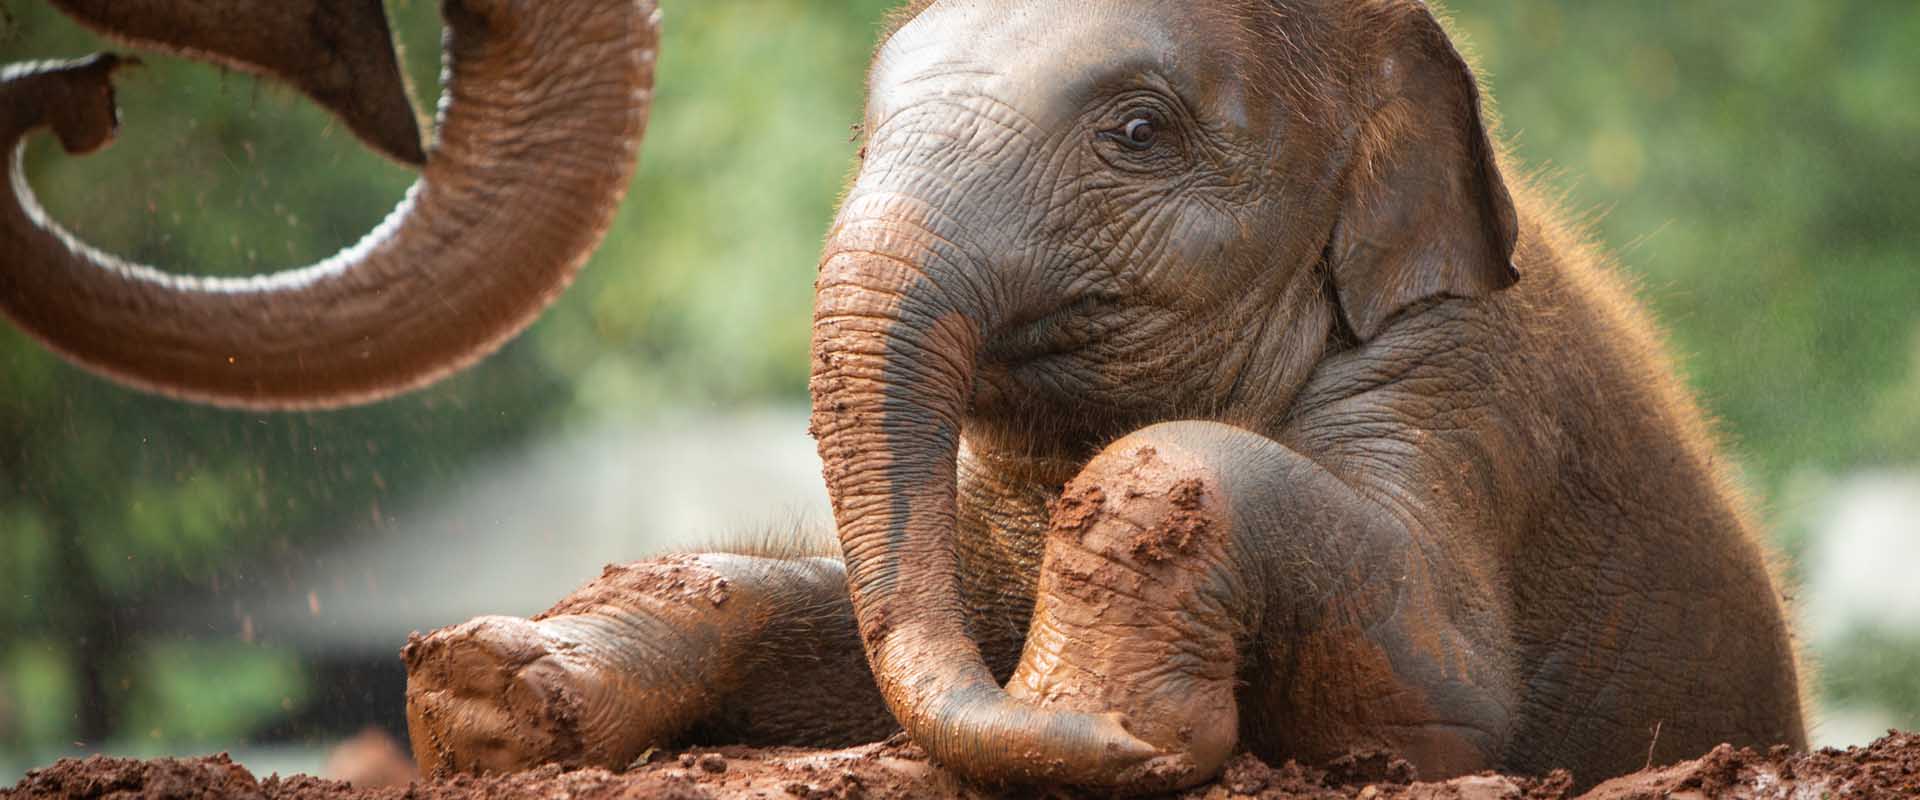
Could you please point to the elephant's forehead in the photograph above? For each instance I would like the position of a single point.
(1046, 57)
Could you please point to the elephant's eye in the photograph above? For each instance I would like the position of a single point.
(1141, 131)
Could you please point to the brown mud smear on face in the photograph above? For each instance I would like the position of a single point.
(1888, 768)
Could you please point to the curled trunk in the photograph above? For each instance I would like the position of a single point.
(894, 357)
(544, 106)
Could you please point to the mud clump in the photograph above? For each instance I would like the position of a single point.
(1361, 767)
(897, 769)
(102, 777)
(682, 577)
(1077, 509)
(1889, 767)
(1185, 522)
(1180, 510)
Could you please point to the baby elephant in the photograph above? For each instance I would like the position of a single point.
(1191, 377)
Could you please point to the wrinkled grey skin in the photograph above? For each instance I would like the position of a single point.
(1283, 426)
(1316, 244)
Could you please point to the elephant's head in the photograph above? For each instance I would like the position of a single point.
(1075, 218)
(539, 128)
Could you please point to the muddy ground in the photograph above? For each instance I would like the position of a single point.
(1888, 768)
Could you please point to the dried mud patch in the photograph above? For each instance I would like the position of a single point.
(682, 577)
(1077, 509)
(1186, 520)
(1162, 502)
(1889, 767)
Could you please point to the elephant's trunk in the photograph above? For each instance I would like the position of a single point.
(544, 108)
(894, 354)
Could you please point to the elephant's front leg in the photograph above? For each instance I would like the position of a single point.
(714, 648)
(1222, 591)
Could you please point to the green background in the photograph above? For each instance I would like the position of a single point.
(1755, 165)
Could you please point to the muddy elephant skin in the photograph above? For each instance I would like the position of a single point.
(1195, 377)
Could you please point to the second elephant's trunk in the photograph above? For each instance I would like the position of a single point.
(544, 108)
(894, 355)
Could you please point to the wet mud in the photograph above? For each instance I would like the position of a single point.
(1888, 768)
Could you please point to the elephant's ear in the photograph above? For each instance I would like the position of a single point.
(1427, 213)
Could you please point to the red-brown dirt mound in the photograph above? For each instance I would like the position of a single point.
(1888, 768)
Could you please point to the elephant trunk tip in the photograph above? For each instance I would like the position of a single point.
(75, 98)
(1003, 738)
(967, 722)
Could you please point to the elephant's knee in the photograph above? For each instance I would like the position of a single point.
(1141, 543)
(1156, 497)
(1142, 609)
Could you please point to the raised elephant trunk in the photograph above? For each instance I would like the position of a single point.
(545, 103)
(894, 354)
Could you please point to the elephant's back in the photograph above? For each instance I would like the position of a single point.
(1648, 613)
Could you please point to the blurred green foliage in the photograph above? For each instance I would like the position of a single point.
(36, 687)
(253, 684)
(1756, 165)
(1874, 667)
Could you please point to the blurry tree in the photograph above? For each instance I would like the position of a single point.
(1892, 433)
(1754, 164)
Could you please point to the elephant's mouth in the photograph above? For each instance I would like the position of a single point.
(1063, 330)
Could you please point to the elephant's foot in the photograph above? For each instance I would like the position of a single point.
(617, 667)
(1137, 609)
(695, 648)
